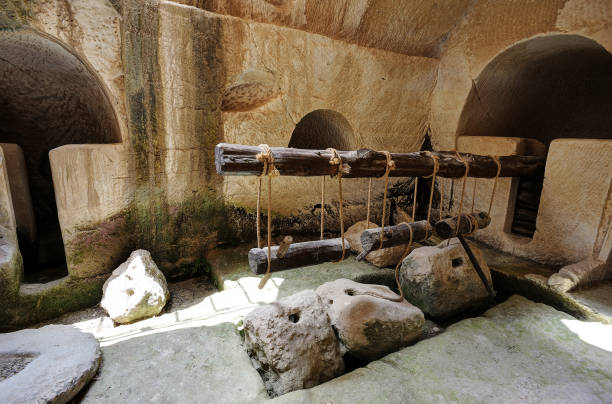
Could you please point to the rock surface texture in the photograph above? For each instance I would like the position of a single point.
(137, 289)
(385, 257)
(371, 320)
(46, 365)
(293, 344)
(441, 281)
(525, 352)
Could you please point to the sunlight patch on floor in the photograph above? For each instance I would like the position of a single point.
(596, 334)
(231, 304)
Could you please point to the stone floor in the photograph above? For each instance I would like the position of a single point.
(518, 351)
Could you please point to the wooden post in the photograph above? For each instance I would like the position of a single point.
(297, 255)
(234, 159)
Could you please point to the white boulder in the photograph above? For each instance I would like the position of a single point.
(137, 289)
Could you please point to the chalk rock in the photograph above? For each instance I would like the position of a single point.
(293, 344)
(137, 289)
(578, 274)
(385, 257)
(371, 320)
(441, 281)
(46, 365)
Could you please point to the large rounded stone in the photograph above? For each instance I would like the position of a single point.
(441, 280)
(385, 257)
(371, 320)
(293, 344)
(47, 365)
(137, 289)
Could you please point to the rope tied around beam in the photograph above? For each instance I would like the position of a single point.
(270, 171)
(337, 160)
(390, 166)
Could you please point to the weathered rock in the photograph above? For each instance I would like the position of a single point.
(46, 365)
(293, 344)
(385, 257)
(371, 320)
(137, 289)
(441, 281)
(579, 274)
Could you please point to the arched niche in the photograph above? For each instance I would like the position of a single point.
(544, 88)
(49, 97)
(322, 128)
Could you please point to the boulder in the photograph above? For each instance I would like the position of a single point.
(385, 257)
(293, 344)
(441, 281)
(371, 320)
(46, 365)
(135, 290)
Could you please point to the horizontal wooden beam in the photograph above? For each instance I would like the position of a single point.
(400, 234)
(298, 255)
(235, 159)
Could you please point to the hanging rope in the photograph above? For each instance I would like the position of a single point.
(494, 183)
(436, 168)
(465, 174)
(441, 199)
(399, 263)
(473, 195)
(337, 160)
(390, 166)
(369, 201)
(257, 223)
(269, 170)
(322, 206)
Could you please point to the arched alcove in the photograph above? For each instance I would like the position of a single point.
(49, 97)
(545, 88)
(322, 128)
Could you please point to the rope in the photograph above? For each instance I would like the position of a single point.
(474, 195)
(322, 206)
(494, 183)
(436, 167)
(269, 170)
(369, 201)
(414, 200)
(390, 166)
(337, 160)
(441, 199)
(467, 170)
(399, 263)
(257, 221)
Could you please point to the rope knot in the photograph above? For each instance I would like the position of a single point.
(267, 158)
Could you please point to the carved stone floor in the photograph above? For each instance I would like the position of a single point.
(518, 351)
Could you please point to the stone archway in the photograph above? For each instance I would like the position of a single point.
(544, 88)
(322, 128)
(49, 97)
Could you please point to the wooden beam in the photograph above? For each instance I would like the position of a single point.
(235, 159)
(447, 228)
(393, 236)
(298, 255)
(400, 234)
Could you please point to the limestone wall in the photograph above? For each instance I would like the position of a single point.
(409, 27)
(486, 29)
(573, 221)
